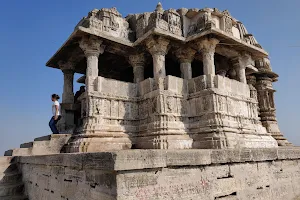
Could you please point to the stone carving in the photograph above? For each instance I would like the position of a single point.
(227, 20)
(204, 22)
(108, 21)
(209, 111)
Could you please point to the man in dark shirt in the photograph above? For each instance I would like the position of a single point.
(78, 93)
(77, 116)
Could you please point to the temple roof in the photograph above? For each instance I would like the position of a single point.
(125, 35)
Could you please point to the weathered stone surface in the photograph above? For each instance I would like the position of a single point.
(208, 105)
(165, 174)
(11, 185)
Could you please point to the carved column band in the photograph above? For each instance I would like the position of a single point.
(185, 57)
(138, 64)
(158, 49)
(207, 48)
(92, 48)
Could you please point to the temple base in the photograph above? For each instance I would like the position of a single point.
(96, 143)
(164, 142)
(269, 174)
(232, 140)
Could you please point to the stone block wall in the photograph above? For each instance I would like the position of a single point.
(158, 174)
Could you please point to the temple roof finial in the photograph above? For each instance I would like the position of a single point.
(159, 7)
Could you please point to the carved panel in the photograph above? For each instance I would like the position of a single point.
(171, 105)
(106, 108)
(114, 108)
(222, 103)
(108, 21)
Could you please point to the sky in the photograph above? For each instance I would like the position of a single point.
(32, 31)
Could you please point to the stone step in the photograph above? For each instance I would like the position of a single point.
(53, 136)
(49, 144)
(7, 179)
(18, 152)
(10, 190)
(14, 198)
(5, 159)
(8, 168)
(26, 145)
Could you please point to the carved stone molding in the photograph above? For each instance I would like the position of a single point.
(67, 67)
(207, 45)
(158, 45)
(137, 60)
(91, 46)
(208, 48)
(185, 54)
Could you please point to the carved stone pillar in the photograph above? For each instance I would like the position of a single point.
(68, 71)
(241, 72)
(92, 48)
(267, 108)
(138, 64)
(158, 49)
(251, 80)
(67, 121)
(240, 64)
(207, 48)
(185, 57)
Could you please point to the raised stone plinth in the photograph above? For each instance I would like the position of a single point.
(165, 174)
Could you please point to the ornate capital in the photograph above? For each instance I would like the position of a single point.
(185, 54)
(91, 46)
(207, 45)
(67, 67)
(137, 60)
(158, 46)
(243, 61)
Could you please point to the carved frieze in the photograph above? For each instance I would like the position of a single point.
(205, 21)
(108, 21)
(227, 22)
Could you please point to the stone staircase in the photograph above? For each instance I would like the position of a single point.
(11, 185)
(50, 144)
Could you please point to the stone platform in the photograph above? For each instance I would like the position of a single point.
(164, 174)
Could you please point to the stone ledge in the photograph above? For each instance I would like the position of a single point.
(148, 159)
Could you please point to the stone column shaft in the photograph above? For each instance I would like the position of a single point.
(138, 63)
(68, 70)
(92, 48)
(241, 74)
(207, 48)
(67, 121)
(240, 64)
(158, 49)
(68, 94)
(159, 70)
(186, 70)
(185, 56)
(138, 73)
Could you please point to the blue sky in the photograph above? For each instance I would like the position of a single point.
(31, 32)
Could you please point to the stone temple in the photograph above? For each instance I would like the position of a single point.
(179, 104)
